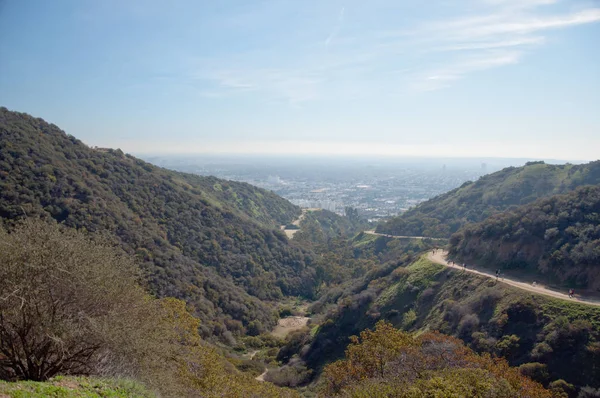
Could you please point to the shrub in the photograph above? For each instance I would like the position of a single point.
(285, 312)
(409, 319)
(255, 368)
(64, 300)
(468, 324)
(561, 388)
(289, 376)
(589, 392)
(536, 371)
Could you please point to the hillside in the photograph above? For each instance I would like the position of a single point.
(320, 225)
(556, 238)
(549, 339)
(210, 242)
(491, 194)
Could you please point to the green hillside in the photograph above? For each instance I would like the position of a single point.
(320, 225)
(549, 338)
(210, 242)
(491, 194)
(556, 238)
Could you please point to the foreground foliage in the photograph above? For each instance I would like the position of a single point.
(72, 387)
(387, 362)
(72, 306)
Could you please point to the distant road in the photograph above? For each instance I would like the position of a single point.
(401, 236)
(440, 258)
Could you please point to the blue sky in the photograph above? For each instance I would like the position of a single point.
(506, 78)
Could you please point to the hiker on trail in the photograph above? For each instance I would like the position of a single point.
(534, 283)
(465, 266)
(497, 274)
(571, 293)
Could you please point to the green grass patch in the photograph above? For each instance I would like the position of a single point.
(81, 387)
(423, 272)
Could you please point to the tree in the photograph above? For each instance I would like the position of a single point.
(61, 297)
(389, 360)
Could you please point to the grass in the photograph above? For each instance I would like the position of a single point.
(423, 272)
(363, 240)
(80, 387)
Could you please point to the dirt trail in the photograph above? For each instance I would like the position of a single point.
(290, 232)
(440, 258)
(262, 376)
(401, 236)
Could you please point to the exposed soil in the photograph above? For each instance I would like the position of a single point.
(288, 325)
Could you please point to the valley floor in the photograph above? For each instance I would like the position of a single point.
(440, 257)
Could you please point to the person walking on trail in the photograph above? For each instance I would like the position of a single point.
(497, 274)
(465, 266)
(571, 293)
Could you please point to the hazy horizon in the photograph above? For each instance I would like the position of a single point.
(472, 78)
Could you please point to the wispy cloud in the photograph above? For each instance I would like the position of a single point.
(443, 77)
(507, 24)
(336, 28)
(431, 54)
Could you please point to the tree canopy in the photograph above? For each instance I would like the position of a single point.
(211, 242)
(557, 238)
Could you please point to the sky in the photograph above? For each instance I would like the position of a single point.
(448, 78)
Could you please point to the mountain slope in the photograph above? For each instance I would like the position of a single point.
(557, 238)
(491, 194)
(205, 240)
(558, 337)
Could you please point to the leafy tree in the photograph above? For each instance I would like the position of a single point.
(389, 362)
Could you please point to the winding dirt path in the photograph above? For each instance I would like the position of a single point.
(262, 376)
(440, 258)
(290, 232)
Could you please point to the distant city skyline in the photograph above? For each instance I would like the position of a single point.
(470, 78)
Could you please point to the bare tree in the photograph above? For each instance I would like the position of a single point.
(61, 297)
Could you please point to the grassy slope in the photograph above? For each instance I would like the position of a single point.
(81, 387)
(475, 201)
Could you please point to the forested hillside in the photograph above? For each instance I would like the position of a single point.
(491, 194)
(548, 338)
(320, 225)
(210, 242)
(557, 238)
